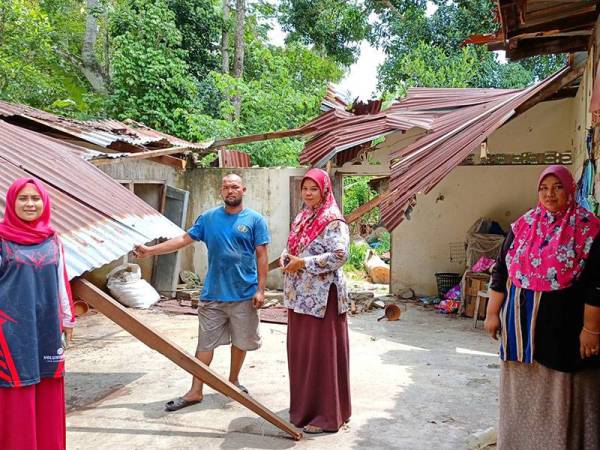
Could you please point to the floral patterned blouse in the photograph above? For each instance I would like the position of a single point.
(307, 291)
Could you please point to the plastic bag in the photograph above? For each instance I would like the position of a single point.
(126, 285)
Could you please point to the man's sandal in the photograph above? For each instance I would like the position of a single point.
(179, 403)
(240, 387)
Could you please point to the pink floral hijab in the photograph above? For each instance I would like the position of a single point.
(310, 222)
(549, 249)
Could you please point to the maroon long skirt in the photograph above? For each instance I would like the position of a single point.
(33, 417)
(319, 367)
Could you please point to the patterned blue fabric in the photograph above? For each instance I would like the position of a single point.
(518, 316)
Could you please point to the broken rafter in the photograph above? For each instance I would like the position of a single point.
(261, 137)
(366, 207)
(119, 314)
(143, 155)
(573, 74)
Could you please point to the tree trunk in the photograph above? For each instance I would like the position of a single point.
(225, 38)
(91, 68)
(238, 63)
(240, 17)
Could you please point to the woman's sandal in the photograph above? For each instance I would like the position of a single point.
(311, 429)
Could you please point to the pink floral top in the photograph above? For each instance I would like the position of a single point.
(307, 291)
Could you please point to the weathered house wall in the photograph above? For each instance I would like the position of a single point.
(581, 120)
(141, 170)
(581, 114)
(268, 192)
(421, 246)
(544, 128)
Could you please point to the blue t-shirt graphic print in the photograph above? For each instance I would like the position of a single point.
(231, 240)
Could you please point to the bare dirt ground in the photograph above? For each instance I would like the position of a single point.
(426, 381)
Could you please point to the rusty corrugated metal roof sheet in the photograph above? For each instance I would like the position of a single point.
(108, 133)
(418, 167)
(233, 159)
(456, 122)
(336, 131)
(332, 100)
(98, 219)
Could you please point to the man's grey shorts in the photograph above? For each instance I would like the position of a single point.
(224, 323)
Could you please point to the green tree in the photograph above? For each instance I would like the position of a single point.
(200, 24)
(151, 80)
(282, 88)
(431, 66)
(30, 71)
(334, 28)
(434, 44)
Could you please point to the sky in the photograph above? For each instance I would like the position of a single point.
(361, 79)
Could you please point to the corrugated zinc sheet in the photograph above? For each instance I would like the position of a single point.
(456, 121)
(98, 219)
(336, 131)
(109, 133)
(234, 159)
(417, 168)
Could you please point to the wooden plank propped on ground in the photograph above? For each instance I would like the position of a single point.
(121, 316)
(262, 137)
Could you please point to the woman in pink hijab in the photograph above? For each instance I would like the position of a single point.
(545, 299)
(317, 301)
(35, 308)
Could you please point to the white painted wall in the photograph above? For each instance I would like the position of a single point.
(547, 127)
(421, 246)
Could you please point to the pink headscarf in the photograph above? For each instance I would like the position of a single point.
(549, 249)
(310, 222)
(20, 231)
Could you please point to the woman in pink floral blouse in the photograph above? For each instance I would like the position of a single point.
(315, 293)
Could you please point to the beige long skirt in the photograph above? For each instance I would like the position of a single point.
(542, 408)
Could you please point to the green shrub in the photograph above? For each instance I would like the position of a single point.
(356, 255)
(384, 243)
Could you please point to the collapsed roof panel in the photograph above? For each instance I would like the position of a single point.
(98, 219)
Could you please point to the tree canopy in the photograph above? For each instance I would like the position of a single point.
(166, 62)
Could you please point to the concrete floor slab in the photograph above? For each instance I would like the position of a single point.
(426, 381)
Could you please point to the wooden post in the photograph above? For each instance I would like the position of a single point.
(121, 316)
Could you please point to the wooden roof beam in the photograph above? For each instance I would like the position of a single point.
(125, 319)
(519, 49)
(261, 137)
(143, 155)
(585, 21)
(553, 87)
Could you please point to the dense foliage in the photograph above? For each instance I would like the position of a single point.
(161, 61)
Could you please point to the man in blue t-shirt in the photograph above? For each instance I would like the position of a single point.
(236, 239)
